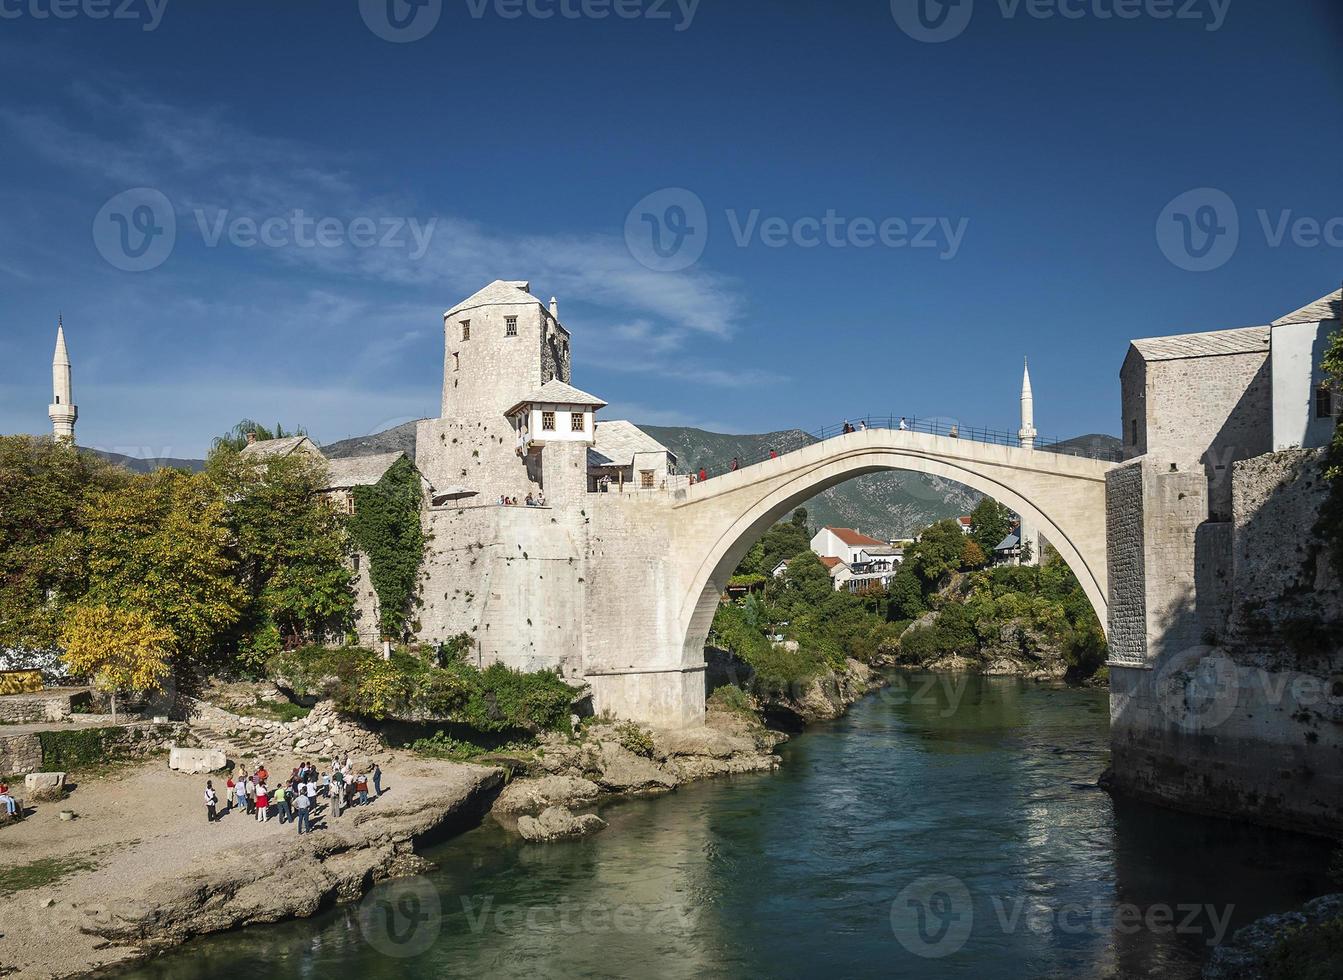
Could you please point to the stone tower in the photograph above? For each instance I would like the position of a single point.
(1027, 431)
(62, 410)
(500, 346)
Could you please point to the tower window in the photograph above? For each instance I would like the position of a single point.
(58, 399)
(548, 421)
(466, 329)
(1133, 432)
(1324, 402)
(576, 422)
(456, 361)
(646, 479)
(510, 326)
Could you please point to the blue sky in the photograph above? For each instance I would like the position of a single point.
(1043, 144)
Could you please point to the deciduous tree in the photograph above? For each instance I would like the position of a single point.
(121, 649)
(43, 486)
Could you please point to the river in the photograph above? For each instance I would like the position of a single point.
(946, 827)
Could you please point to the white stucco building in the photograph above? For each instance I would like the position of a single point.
(1305, 409)
(856, 560)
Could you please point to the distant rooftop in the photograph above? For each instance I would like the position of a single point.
(1213, 343)
(1327, 307)
(360, 471)
(278, 447)
(854, 539)
(618, 441)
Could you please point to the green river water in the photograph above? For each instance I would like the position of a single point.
(946, 827)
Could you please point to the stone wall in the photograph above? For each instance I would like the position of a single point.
(1246, 720)
(20, 754)
(325, 732)
(54, 705)
(1200, 412)
(1124, 556)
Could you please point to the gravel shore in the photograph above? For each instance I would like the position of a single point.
(153, 873)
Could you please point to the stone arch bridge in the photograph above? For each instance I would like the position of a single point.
(711, 525)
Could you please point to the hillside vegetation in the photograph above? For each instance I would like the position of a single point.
(944, 610)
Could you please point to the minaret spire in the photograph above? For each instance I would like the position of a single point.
(62, 410)
(1027, 431)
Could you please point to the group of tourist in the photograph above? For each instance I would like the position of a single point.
(537, 500)
(295, 797)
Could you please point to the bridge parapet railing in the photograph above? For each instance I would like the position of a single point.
(936, 426)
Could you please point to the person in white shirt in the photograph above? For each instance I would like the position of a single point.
(301, 808)
(211, 799)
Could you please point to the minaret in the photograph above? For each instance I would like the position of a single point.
(1028, 537)
(1027, 431)
(62, 410)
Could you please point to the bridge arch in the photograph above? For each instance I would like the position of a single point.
(1063, 497)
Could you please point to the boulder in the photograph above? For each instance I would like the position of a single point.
(40, 786)
(557, 823)
(196, 760)
(710, 742)
(531, 796)
(623, 771)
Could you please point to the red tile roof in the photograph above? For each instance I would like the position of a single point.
(965, 521)
(829, 562)
(852, 538)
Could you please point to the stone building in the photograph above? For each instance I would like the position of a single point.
(1214, 568)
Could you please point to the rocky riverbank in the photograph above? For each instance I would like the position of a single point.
(568, 776)
(1291, 944)
(139, 870)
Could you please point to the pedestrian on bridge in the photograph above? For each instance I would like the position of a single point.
(736, 464)
(903, 424)
(703, 474)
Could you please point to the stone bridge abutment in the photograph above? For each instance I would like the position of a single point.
(710, 526)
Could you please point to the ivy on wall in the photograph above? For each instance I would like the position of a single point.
(1330, 524)
(385, 526)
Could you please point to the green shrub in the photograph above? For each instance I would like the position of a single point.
(441, 745)
(1312, 952)
(496, 699)
(730, 697)
(635, 739)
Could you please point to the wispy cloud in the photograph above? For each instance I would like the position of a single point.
(206, 162)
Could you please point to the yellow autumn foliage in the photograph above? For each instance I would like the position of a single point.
(122, 649)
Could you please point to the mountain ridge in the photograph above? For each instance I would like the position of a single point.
(889, 505)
